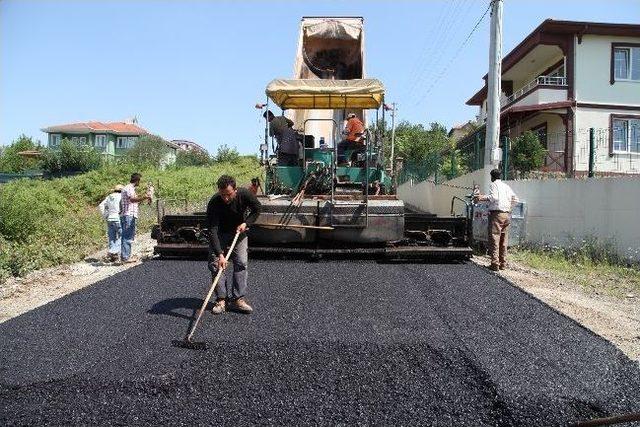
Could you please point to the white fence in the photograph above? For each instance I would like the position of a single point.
(559, 211)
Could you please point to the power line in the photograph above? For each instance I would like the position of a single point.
(437, 32)
(456, 54)
(442, 44)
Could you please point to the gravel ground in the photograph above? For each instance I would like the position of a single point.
(329, 343)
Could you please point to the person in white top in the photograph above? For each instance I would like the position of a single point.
(129, 216)
(501, 199)
(110, 210)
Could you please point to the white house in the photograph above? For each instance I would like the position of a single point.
(186, 145)
(566, 77)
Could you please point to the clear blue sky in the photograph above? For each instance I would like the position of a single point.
(194, 69)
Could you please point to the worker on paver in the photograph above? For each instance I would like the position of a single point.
(354, 139)
(129, 216)
(110, 210)
(230, 211)
(501, 199)
(255, 186)
(288, 145)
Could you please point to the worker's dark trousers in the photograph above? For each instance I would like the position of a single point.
(286, 159)
(349, 145)
(233, 283)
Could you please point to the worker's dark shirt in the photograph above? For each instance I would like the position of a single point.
(224, 218)
(278, 124)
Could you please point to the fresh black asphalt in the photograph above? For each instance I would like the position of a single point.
(335, 342)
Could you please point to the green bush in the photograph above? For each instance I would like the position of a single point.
(149, 150)
(12, 162)
(70, 157)
(186, 158)
(227, 154)
(527, 153)
(47, 223)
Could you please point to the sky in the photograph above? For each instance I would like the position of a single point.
(195, 69)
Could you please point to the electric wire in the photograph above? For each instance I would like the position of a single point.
(454, 57)
(442, 44)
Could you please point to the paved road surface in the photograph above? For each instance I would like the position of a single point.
(331, 342)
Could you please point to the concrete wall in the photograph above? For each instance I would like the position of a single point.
(559, 211)
(593, 72)
(607, 208)
(436, 199)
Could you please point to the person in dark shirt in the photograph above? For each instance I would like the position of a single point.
(229, 211)
(288, 145)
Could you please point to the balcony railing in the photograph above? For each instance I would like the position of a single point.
(540, 80)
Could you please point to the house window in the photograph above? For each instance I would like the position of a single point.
(101, 141)
(74, 139)
(541, 132)
(126, 141)
(625, 135)
(82, 140)
(55, 139)
(625, 62)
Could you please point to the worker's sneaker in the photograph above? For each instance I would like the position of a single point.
(503, 266)
(131, 260)
(219, 307)
(494, 267)
(241, 305)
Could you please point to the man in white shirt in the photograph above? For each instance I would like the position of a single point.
(501, 199)
(110, 210)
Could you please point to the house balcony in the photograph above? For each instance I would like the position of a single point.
(541, 90)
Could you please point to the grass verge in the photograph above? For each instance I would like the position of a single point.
(47, 223)
(593, 276)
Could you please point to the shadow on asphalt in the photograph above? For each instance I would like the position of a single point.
(170, 306)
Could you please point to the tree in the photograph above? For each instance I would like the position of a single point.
(192, 158)
(12, 162)
(70, 157)
(527, 153)
(227, 154)
(149, 150)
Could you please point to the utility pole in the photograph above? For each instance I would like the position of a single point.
(491, 145)
(393, 136)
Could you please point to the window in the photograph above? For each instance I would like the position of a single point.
(126, 141)
(541, 132)
(82, 140)
(74, 139)
(625, 135)
(54, 139)
(625, 62)
(101, 141)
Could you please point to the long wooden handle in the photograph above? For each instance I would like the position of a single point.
(315, 227)
(213, 287)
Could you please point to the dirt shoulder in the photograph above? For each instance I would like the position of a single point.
(614, 316)
(19, 295)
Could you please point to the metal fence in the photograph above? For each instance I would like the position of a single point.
(594, 152)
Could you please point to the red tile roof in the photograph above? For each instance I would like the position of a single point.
(119, 128)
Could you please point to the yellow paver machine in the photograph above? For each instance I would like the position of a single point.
(326, 204)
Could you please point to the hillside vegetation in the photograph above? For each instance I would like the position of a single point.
(44, 223)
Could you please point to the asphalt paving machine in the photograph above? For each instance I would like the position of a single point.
(320, 207)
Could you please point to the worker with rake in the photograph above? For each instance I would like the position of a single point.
(229, 212)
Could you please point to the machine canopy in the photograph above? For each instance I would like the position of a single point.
(326, 94)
